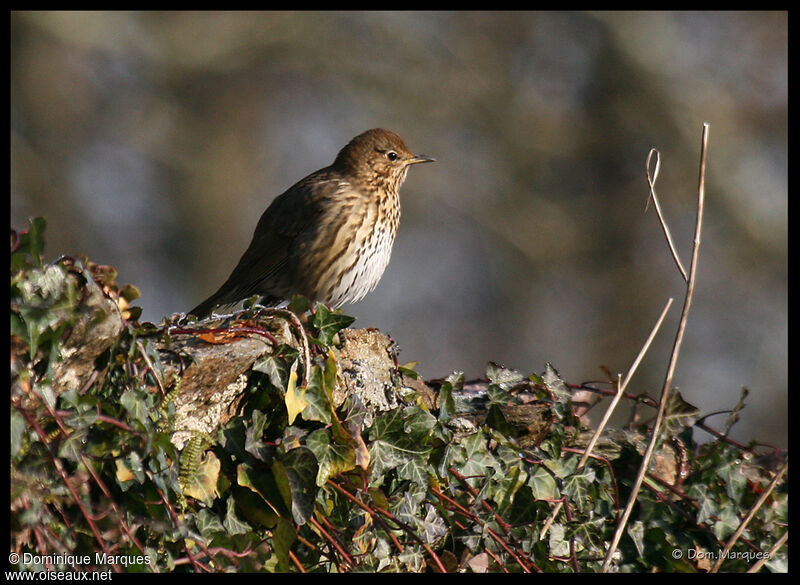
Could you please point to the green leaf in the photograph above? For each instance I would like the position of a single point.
(332, 458)
(263, 484)
(497, 395)
(418, 423)
(253, 443)
(479, 461)
(542, 484)
(202, 483)
(208, 524)
(559, 546)
(32, 241)
(730, 472)
(137, 409)
(275, 367)
(707, 506)
(678, 414)
(447, 407)
(635, 530)
(496, 420)
(231, 523)
(727, 524)
(415, 469)
(507, 487)
(733, 417)
(316, 398)
(294, 476)
(329, 324)
(18, 426)
(299, 304)
(577, 486)
(555, 384)
(505, 378)
(73, 446)
(525, 507)
(283, 537)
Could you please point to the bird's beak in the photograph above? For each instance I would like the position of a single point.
(420, 158)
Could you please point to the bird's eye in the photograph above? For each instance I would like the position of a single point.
(391, 155)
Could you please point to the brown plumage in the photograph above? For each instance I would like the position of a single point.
(328, 237)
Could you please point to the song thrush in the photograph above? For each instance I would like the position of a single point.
(328, 237)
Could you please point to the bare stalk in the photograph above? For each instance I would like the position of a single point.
(773, 549)
(620, 392)
(676, 346)
(651, 181)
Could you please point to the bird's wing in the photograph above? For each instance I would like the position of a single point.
(265, 267)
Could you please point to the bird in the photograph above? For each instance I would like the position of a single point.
(329, 236)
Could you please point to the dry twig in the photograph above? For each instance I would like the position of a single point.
(676, 346)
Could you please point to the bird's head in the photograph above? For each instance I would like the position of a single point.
(378, 156)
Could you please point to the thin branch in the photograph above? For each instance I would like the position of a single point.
(676, 347)
(296, 562)
(65, 478)
(334, 541)
(750, 514)
(770, 553)
(651, 181)
(150, 367)
(611, 407)
(405, 527)
(624, 385)
(292, 317)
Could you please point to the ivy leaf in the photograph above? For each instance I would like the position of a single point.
(389, 447)
(329, 324)
(231, 523)
(735, 481)
(202, 484)
(124, 474)
(635, 530)
(294, 475)
(408, 370)
(262, 484)
(542, 484)
(525, 507)
(72, 447)
(332, 458)
(415, 469)
(418, 423)
(678, 414)
(727, 524)
(29, 245)
(555, 384)
(503, 377)
(507, 487)
(208, 524)
(559, 546)
(318, 396)
(299, 304)
(295, 397)
(275, 368)
(447, 408)
(18, 426)
(253, 443)
(479, 461)
(577, 486)
(733, 417)
(284, 536)
(137, 408)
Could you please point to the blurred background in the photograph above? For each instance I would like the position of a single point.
(153, 141)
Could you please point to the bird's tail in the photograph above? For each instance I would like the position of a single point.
(205, 308)
(222, 303)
